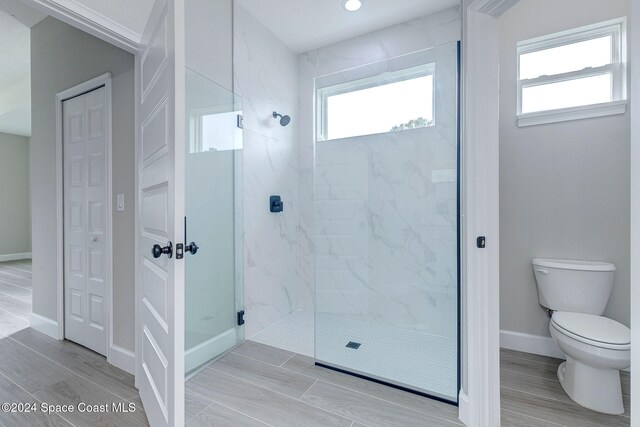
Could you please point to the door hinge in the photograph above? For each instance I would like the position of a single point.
(241, 318)
(240, 122)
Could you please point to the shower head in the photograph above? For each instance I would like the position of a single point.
(284, 120)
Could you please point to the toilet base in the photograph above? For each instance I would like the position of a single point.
(594, 388)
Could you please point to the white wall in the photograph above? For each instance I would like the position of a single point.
(15, 212)
(564, 187)
(418, 34)
(62, 57)
(265, 76)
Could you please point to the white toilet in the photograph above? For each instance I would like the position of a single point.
(596, 347)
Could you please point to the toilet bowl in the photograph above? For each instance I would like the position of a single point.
(577, 292)
(596, 348)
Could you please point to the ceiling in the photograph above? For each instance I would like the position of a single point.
(304, 25)
(15, 87)
(131, 14)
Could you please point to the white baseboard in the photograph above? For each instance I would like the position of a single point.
(534, 344)
(123, 359)
(463, 408)
(44, 325)
(15, 257)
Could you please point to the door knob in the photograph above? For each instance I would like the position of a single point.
(158, 250)
(192, 247)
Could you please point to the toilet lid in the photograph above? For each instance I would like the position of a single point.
(593, 328)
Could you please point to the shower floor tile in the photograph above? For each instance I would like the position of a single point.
(404, 357)
(293, 333)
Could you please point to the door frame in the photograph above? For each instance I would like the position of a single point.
(103, 80)
(634, 98)
(480, 393)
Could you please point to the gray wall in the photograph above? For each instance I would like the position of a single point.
(564, 187)
(62, 57)
(15, 226)
(209, 39)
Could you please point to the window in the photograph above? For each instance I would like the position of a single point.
(385, 102)
(212, 130)
(571, 75)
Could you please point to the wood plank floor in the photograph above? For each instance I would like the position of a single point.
(260, 385)
(255, 385)
(531, 395)
(15, 296)
(36, 369)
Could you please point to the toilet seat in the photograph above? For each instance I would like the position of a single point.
(598, 331)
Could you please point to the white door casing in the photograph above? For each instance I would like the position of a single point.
(160, 157)
(86, 228)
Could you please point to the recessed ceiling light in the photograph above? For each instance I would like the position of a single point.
(352, 5)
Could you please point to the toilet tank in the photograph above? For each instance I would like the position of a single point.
(570, 285)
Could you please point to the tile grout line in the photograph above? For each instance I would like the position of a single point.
(254, 359)
(283, 363)
(8, 273)
(126, 399)
(226, 406)
(16, 273)
(14, 315)
(34, 396)
(307, 390)
(15, 285)
(15, 298)
(277, 392)
(533, 418)
(26, 268)
(336, 385)
(197, 413)
(362, 393)
(572, 403)
(546, 378)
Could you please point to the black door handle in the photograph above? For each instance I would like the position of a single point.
(158, 250)
(192, 247)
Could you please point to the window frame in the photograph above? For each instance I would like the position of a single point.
(196, 124)
(376, 80)
(616, 29)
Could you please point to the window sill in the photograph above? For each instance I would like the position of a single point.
(573, 113)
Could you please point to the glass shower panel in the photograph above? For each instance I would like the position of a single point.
(213, 200)
(387, 224)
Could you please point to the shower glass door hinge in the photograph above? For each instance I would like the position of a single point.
(239, 122)
(241, 318)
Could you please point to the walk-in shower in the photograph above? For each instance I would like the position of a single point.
(386, 221)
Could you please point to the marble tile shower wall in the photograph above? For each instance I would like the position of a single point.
(385, 243)
(265, 76)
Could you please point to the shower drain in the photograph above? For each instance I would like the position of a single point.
(354, 345)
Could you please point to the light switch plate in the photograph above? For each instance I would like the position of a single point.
(120, 202)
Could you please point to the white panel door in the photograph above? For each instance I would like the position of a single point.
(85, 196)
(160, 289)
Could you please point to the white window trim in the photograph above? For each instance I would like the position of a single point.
(414, 72)
(616, 28)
